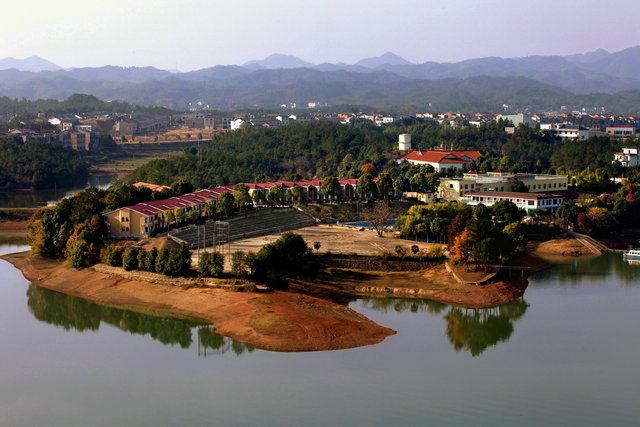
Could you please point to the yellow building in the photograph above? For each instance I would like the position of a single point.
(143, 218)
(455, 189)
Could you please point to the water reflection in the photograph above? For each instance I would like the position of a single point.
(44, 197)
(70, 312)
(606, 268)
(468, 329)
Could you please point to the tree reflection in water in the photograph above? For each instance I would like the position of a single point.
(70, 312)
(470, 329)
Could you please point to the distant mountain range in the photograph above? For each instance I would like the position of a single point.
(592, 79)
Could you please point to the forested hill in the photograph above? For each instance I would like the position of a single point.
(313, 149)
(39, 164)
(77, 103)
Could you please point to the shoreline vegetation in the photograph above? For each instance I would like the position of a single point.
(300, 318)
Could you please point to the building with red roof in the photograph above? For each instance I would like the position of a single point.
(441, 159)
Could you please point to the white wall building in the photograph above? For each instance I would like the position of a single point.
(527, 201)
(628, 157)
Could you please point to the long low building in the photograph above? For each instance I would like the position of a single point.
(455, 189)
(527, 201)
(143, 218)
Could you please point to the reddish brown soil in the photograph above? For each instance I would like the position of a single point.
(560, 247)
(278, 321)
(14, 227)
(433, 283)
(534, 263)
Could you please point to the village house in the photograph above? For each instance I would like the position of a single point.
(628, 157)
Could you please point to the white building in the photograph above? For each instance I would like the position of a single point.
(527, 201)
(623, 131)
(568, 131)
(517, 119)
(236, 124)
(628, 157)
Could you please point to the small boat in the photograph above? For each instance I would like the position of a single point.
(632, 254)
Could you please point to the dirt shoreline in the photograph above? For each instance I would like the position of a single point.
(276, 321)
(433, 283)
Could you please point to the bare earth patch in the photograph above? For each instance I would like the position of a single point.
(560, 247)
(282, 321)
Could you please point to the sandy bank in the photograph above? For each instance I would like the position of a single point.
(433, 283)
(567, 246)
(278, 321)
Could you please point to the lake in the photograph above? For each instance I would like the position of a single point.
(46, 197)
(565, 354)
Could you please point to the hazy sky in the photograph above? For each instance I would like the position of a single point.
(192, 34)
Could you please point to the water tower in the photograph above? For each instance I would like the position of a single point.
(404, 141)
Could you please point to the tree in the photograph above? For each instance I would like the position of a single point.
(169, 217)
(379, 217)
(385, 185)
(366, 187)
(211, 264)
(114, 255)
(298, 193)
(462, 245)
(193, 215)
(225, 203)
(239, 263)
(162, 259)
(568, 211)
(178, 213)
(258, 197)
(182, 186)
(331, 188)
(415, 249)
(241, 195)
(507, 211)
(517, 232)
(316, 246)
(275, 194)
(368, 169)
(130, 258)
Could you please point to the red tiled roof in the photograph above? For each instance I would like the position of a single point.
(152, 187)
(443, 156)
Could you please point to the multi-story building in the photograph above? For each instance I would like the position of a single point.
(628, 157)
(455, 189)
(527, 201)
(623, 131)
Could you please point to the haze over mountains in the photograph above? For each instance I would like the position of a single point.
(597, 78)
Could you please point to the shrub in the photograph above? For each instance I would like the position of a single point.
(415, 249)
(114, 255)
(178, 262)
(434, 252)
(288, 254)
(161, 260)
(400, 251)
(238, 264)
(130, 258)
(142, 259)
(211, 264)
(150, 260)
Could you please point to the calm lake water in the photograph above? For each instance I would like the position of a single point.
(566, 354)
(50, 196)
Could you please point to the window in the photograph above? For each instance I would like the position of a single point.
(450, 185)
(122, 219)
(121, 228)
(530, 202)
